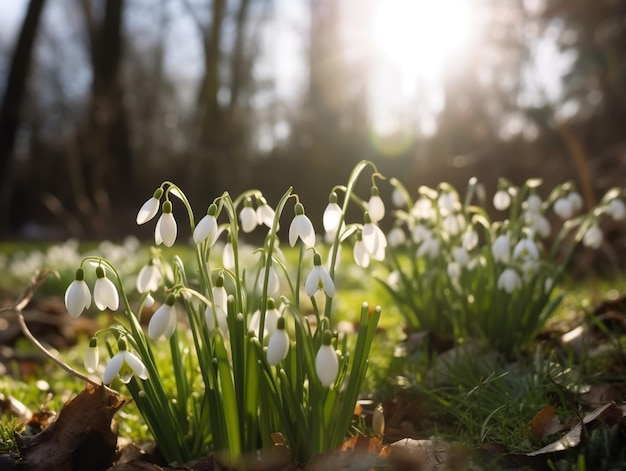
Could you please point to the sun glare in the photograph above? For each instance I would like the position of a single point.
(411, 41)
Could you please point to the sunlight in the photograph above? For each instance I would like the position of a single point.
(411, 41)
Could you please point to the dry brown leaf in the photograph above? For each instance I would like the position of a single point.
(544, 424)
(82, 437)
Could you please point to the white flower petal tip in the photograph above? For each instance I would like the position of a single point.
(332, 217)
(77, 296)
(301, 228)
(105, 293)
(124, 364)
(148, 211)
(501, 200)
(163, 321)
(206, 229)
(326, 365)
(509, 281)
(248, 218)
(166, 230)
(278, 347)
(376, 208)
(92, 357)
(593, 237)
(149, 278)
(319, 279)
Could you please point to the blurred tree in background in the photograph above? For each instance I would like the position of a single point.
(102, 100)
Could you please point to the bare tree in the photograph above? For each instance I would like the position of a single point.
(12, 100)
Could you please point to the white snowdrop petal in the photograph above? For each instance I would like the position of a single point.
(327, 282)
(361, 257)
(148, 210)
(278, 347)
(206, 229)
(105, 294)
(501, 200)
(331, 217)
(159, 322)
(376, 208)
(77, 298)
(136, 365)
(311, 283)
(113, 368)
(168, 229)
(326, 365)
(265, 215)
(228, 257)
(248, 218)
(158, 240)
(91, 359)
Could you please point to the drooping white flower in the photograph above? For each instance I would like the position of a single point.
(538, 223)
(453, 224)
(278, 346)
(420, 233)
(374, 239)
(248, 216)
(163, 321)
(92, 356)
(149, 209)
(301, 228)
(272, 315)
(217, 313)
(265, 213)
(166, 229)
(398, 198)
(273, 282)
(576, 201)
(124, 364)
(501, 248)
(360, 254)
(396, 237)
(564, 208)
(149, 278)
(509, 280)
(423, 209)
(375, 206)
(326, 362)
(533, 203)
(616, 209)
(319, 279)
(228, 255)
(105, 293)
(593, 237)
(460, 256)
(469, 239)
(526, 249)
(332, 214)
(77, 295)
(448, 203)
(207, 228)
(429, 248)
(501, 200)
(454, 270)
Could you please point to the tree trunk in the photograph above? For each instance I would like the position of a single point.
(12, 100)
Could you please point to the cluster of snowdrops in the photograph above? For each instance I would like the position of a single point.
(263, 354)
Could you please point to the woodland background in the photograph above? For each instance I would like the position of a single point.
(94, 113)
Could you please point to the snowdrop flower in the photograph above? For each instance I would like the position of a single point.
(538, 223)
(533, 204)
(278, 346)
(319, 279)
(374, 239)
(125, 364)
(429, 248)
(576, 201)
(218, 311)
(526, 249)
(501, 249)
(398, 198)
(453, 224)
(469, 240)
(375, 206)
(460, 256)
(77, 295)
(332, 214)
(616, 209)
(509, 280)
(149, 209)
(273, 282)
(454, 270)
(228, 254)
(501, 200)
(396, 237)
(563, 208)
(301, 228)
(447, 203)
(248, 216)
(593, 237)
(163, 321)
(92, 356)
(272, 315)
(149, 278)
(207, 228)
(104, 292)
(359, 252)
(423, 209)
(166, 229)
(148, 301)
(264, 212)
(326, 362)
(420, 233)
